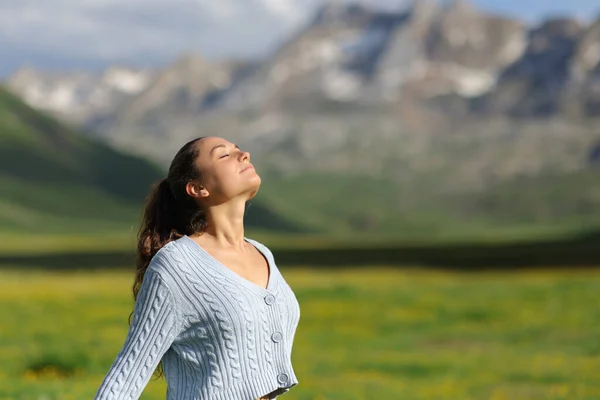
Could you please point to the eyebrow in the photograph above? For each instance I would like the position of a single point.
(222, 145)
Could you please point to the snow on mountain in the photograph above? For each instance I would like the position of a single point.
(78, 96)
(348, 55)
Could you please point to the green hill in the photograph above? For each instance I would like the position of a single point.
(68, 189)
(484, 179)
(55, 179)
(546, 205)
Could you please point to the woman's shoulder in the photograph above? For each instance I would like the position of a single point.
(170, 256)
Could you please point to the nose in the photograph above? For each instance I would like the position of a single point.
(245, 156)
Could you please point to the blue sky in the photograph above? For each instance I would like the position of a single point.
(533, 10)
(92, 34)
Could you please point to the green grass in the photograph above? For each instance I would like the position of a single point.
(56, 179)
(121, 236)
(364, 334)
(478, 177)
(43, 243)
(421, 209)
(502, 186)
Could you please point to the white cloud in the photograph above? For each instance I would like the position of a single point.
(105, 31)
(99, 32)
(286, 9)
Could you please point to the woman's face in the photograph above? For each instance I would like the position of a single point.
(226, 171)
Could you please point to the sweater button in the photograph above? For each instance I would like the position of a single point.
(277, 337)
(282, 378)
(269, 299)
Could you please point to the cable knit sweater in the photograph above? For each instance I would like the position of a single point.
(220, 336)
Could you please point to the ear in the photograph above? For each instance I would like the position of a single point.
(196, 190)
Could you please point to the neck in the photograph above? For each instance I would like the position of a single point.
(226, 223)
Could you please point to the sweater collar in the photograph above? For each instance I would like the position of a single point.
(224, 270)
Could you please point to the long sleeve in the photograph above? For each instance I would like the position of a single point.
(154, 326)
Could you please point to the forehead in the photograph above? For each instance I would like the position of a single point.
(206, 144)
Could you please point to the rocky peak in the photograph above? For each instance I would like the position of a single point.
(586, 59)
(422, 14)
(461, 7)
(189, 63)
(537, 83)
(353, 56)
(473, 40)
(127, 80)
(183, 86)
(78, 95)
(584, 90)
(550, 50)
(335, 13)
(554, 33)
(23, 75)
(190, 70)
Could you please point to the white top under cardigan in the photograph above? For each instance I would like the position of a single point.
(220, 336)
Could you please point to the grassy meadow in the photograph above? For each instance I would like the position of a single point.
(494, 194)
(368, 333)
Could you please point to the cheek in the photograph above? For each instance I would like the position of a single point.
(224, 178)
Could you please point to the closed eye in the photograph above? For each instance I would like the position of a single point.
(225, 155)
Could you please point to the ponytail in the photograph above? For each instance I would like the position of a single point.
(157, 229)
(169, 214)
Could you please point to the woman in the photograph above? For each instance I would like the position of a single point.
(211, 305)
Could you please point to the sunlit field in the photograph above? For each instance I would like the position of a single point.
(370, 333)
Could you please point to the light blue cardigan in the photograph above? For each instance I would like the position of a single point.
(220, 336)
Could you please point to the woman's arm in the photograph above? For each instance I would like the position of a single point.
(153, 328)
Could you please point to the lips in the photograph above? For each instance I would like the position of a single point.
(246, 168)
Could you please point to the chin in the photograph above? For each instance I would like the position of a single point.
(252, 185)
(254, 190)
(251, 195)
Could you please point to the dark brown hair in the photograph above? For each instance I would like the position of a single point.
(169, 214)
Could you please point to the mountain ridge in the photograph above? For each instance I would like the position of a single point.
(58, 179)
(355, 56)
(443, 109)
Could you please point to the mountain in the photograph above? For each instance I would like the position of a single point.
(435, 119)
(57, 179)
(184, 88)
(427, 69)
(78, 96)
(427, 63)
(540, 82)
